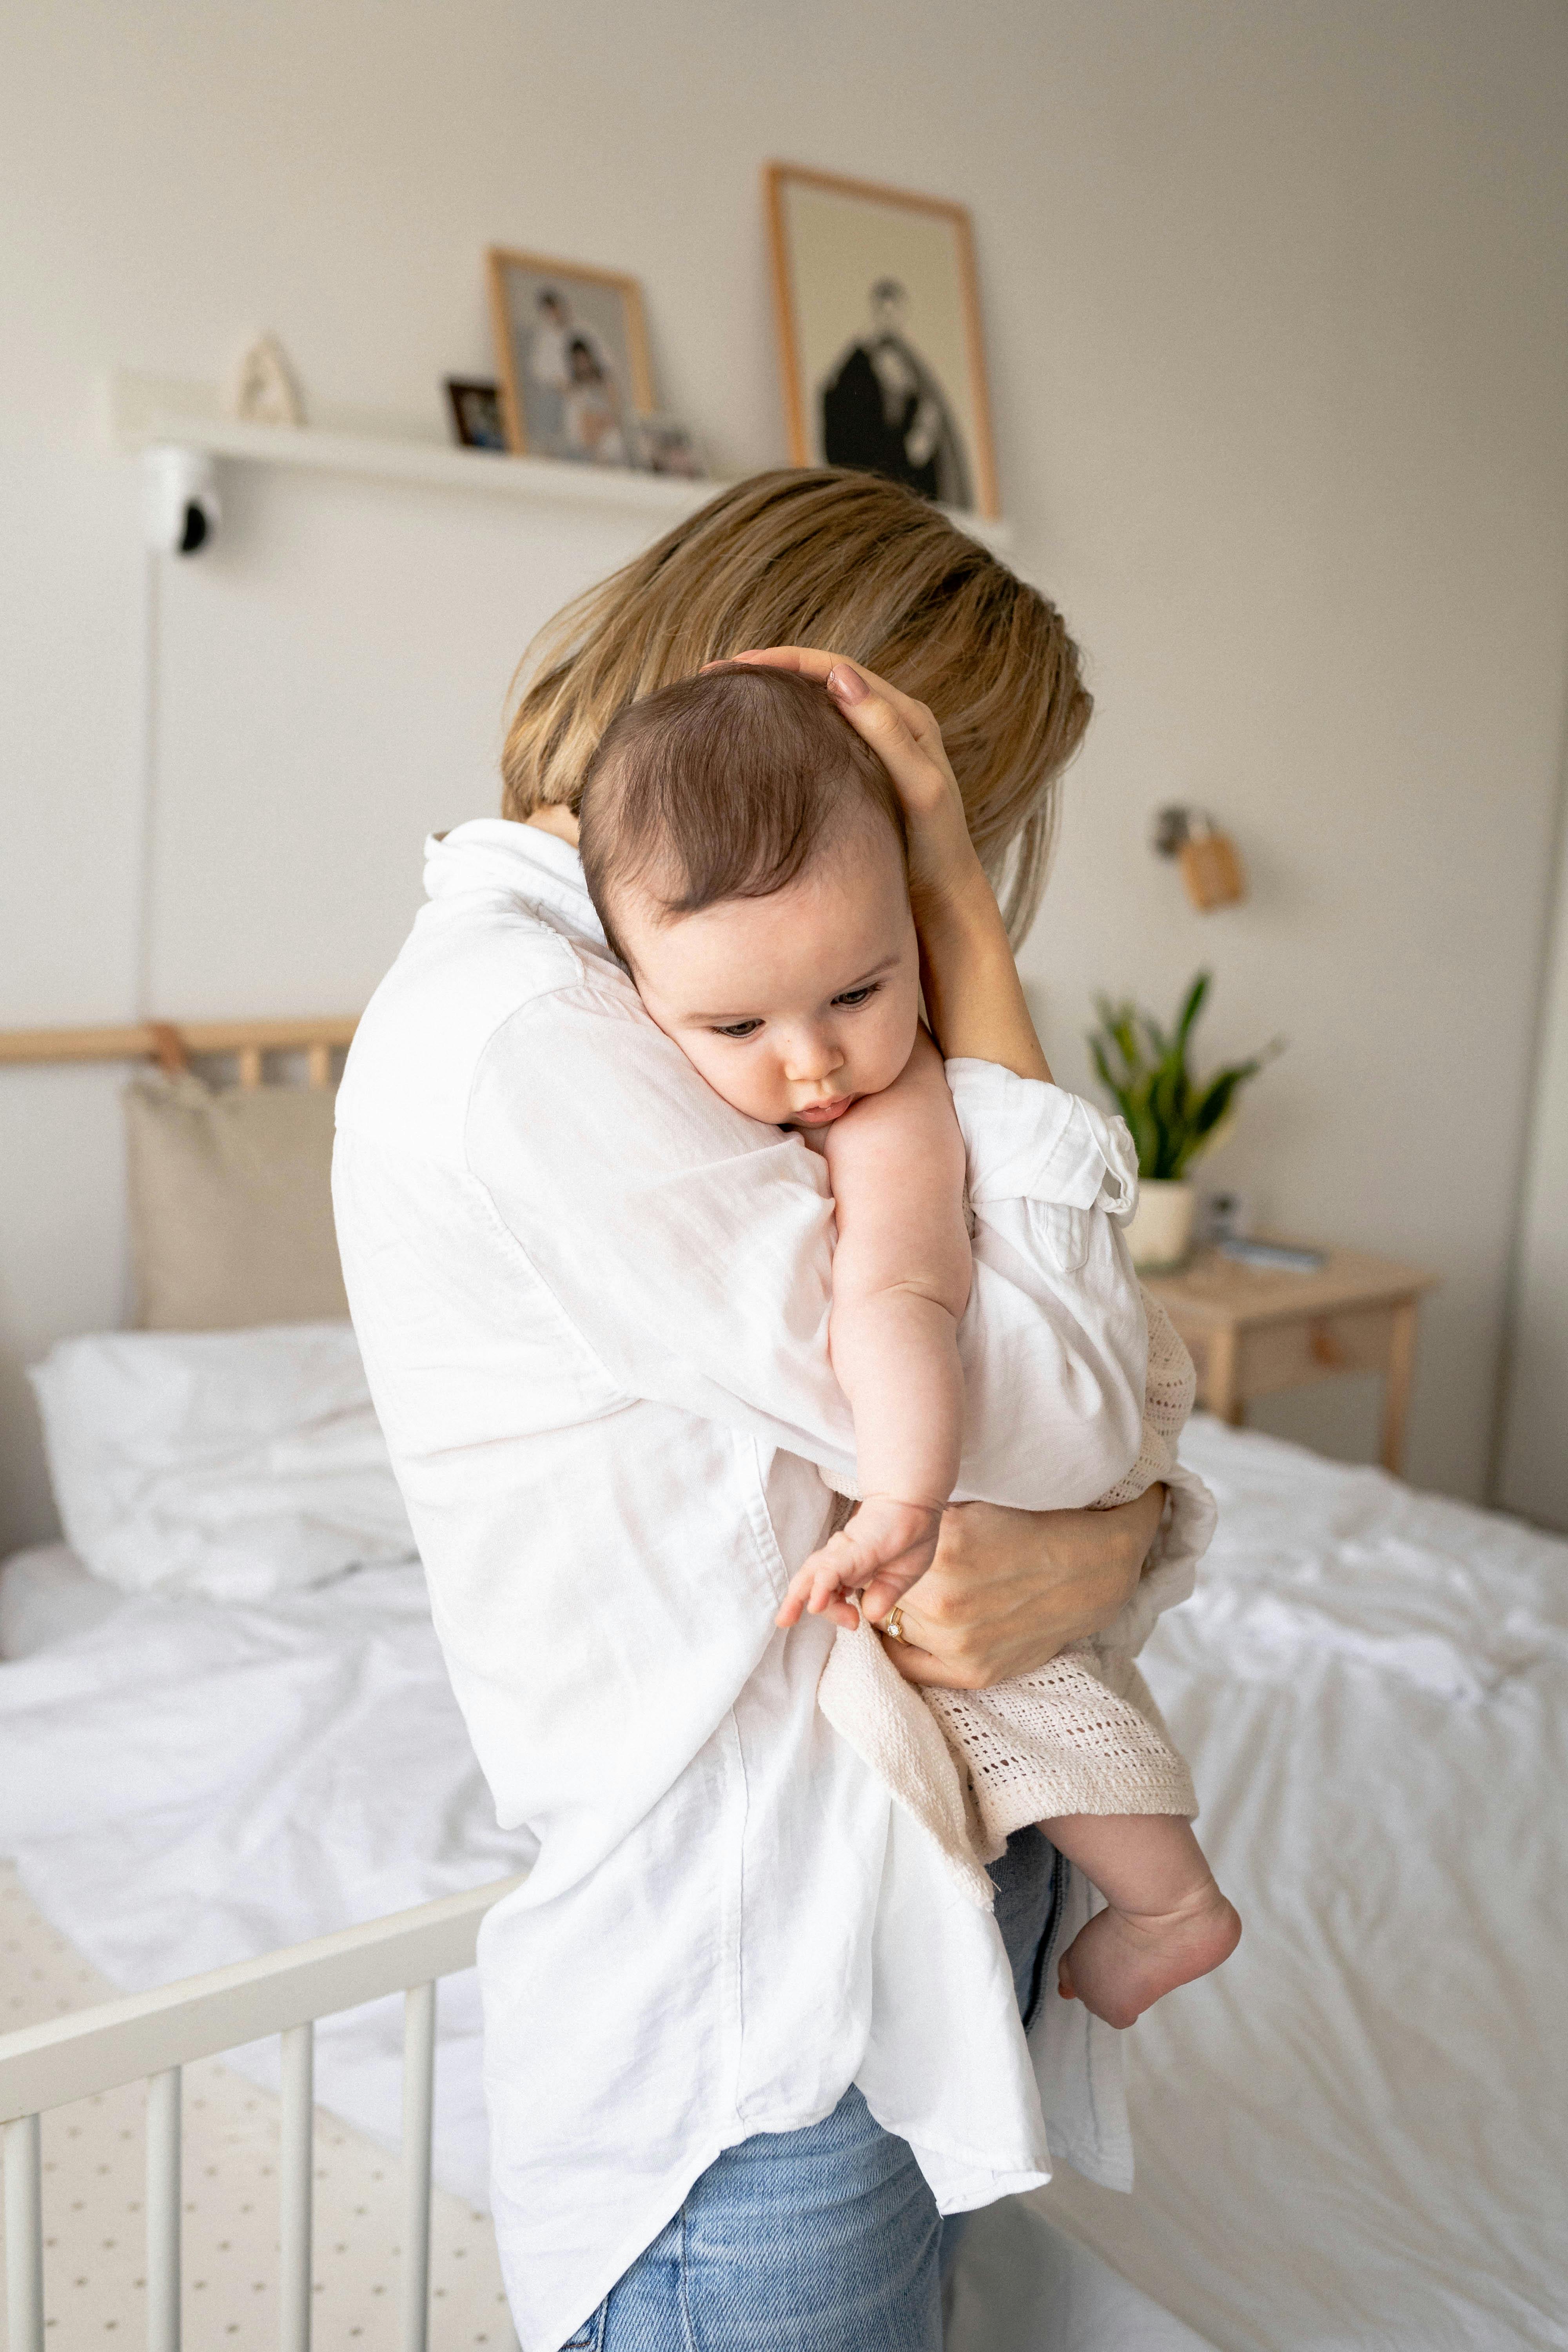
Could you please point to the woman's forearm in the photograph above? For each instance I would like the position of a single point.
(973, 994)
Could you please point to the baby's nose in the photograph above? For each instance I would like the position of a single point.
(811, 1057)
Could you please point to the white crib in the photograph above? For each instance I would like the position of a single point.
(150, 2036)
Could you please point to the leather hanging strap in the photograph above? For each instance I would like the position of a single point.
(169, 1049)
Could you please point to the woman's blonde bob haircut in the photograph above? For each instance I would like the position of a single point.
(856, 565)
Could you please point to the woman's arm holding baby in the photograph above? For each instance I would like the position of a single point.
(901, 1282)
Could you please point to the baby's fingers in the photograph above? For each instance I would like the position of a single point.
(827, 1604)
(817, 1587)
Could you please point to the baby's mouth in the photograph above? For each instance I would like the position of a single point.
(822, 1114)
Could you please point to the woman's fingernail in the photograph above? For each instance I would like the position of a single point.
(846, 684)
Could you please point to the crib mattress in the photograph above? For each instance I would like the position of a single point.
(94, 2186)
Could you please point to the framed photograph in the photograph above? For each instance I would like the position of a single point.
(572, 351)
(477, 417)
(879, 320)
(665, 446)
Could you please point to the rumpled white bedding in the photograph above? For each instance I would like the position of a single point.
(191, 1783)
(238, 1465)
(46, 1596)
(1356, 2135)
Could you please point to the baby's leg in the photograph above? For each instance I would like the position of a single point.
(1167, 1922)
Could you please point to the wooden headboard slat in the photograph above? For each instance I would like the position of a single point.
(304, 1034)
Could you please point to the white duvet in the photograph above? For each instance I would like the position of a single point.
(1356, 2136)
(191, 1783)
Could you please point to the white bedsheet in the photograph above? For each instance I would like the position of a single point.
(193, 1783)
(1356, 2136)
(46, 1596)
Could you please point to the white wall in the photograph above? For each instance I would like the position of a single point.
(1275, 308)
(1533, 1464)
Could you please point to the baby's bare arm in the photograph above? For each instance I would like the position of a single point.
(901, 1273)
(901, 1280)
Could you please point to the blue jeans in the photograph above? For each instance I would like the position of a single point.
(823, 2239)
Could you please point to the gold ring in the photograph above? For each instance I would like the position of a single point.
(893, 1622)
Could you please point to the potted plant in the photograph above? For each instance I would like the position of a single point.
(1174, 1117)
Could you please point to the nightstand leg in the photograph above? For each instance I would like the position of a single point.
(1221, 1395)
(1397, 1388)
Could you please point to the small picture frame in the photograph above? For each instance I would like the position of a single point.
(477, 418)
(879, 340)
(666, 445)
(571, 353)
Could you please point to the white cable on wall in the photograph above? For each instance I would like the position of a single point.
(145, 852)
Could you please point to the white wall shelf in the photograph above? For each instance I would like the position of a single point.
(148, 412)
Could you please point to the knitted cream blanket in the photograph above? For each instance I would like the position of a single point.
(1082, 1734)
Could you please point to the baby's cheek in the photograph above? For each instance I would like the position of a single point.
(742, 1087)
(889, 1052)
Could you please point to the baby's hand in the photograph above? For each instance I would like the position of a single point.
(892, 1541)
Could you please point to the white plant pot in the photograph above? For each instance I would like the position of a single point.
(1160, 1232)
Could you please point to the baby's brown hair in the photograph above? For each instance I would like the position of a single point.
(724, 786)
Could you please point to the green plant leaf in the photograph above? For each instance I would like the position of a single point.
(1143, 1068)
(1192, 1008)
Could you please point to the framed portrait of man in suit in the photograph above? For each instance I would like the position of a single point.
(879, 342)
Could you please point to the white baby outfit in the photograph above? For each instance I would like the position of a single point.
(1080, 1735)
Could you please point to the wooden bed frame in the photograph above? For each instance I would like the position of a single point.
(174, 1044)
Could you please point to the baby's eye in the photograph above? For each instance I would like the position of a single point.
(857, 995)
(739, 1029)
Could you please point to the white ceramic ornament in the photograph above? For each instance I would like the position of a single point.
(264, 390)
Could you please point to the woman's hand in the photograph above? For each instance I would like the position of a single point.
(972, 992)
(1008, 1589)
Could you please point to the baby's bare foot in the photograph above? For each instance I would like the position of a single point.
(1124, 1961)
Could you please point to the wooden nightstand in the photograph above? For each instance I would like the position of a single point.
(1253, 1331)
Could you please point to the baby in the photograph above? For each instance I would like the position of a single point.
(746, 852)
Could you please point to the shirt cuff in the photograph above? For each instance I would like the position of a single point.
(1026, 1140)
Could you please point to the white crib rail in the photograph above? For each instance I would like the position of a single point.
(154, 2034)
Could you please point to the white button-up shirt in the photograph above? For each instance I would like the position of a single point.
(593, 1300)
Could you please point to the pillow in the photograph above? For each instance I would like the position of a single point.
(231, 1205)
(234, 1464)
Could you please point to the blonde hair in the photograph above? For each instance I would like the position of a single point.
(856, 565)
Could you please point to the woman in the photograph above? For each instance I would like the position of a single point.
(742, 2040)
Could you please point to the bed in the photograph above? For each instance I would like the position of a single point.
(1357, 2132)
(1354, 2134)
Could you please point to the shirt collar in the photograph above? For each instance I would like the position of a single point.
(521, 861)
